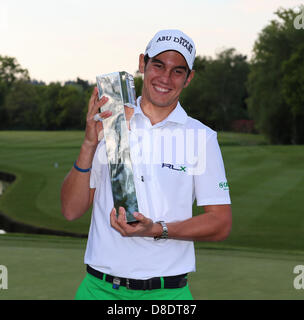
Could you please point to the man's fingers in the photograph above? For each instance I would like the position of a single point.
(139, 217)
(94, 103)
(121, 223)
(112, 214)
(115, 224)
(93, 96)
(103, 115)
(121, 216)
(94, 128)
(127, 230)
(99, 125)
(102, 101)
(94, 115)
(97, 104)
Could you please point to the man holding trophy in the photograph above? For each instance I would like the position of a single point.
(142, 164)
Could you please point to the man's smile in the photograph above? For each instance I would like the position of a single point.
(161, 89)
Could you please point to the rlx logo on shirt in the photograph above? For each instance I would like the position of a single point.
(171, 166)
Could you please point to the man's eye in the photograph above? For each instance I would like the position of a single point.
(178, 71)
(157, 65)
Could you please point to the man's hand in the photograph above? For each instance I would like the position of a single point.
(143, 227)
(93, 128)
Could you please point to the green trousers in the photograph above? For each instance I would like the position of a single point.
(93, 288)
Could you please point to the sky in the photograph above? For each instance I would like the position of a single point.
(60, 40)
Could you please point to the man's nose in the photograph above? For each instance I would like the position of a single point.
(165, 77)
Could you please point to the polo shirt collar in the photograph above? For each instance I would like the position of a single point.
(178, 115)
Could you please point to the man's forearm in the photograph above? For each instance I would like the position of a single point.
(209, 226)
(213, 225)
(75, 191)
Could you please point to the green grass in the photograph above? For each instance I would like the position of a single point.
(49, 267)
(34, 198)
(255, 262)
(41, 267)
(244, 274)
(266, 185)
(241, 139)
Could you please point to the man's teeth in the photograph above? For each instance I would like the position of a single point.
(161, 89)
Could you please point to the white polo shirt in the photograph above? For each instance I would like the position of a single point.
(174, 162)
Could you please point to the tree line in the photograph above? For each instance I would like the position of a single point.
(228, 92)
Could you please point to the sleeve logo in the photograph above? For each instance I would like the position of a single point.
(224, 185)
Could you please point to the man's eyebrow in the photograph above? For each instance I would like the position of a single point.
(157, 60)
(181, 67)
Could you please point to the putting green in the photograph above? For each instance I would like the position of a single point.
(41, 267)
(245, 274)
(46, 267)
(265, 185)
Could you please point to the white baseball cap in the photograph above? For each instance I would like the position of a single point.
(172, 39)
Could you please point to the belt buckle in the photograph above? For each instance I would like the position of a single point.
(116, 283)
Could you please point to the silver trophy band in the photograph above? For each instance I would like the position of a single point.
(119, 88)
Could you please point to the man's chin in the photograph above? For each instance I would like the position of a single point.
(164, 104)
(160, 101)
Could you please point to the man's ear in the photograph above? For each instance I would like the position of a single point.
(188, 80)
(141, 65)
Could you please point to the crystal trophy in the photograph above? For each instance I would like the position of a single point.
(119, 88)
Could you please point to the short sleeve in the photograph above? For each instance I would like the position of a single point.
(211, 187)
(99, 165)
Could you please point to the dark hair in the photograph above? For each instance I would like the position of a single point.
(147, 58)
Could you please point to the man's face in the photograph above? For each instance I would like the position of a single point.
(165, 76)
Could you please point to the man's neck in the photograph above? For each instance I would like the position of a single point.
(155, 113)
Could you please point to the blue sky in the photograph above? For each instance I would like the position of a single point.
(58, 40)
